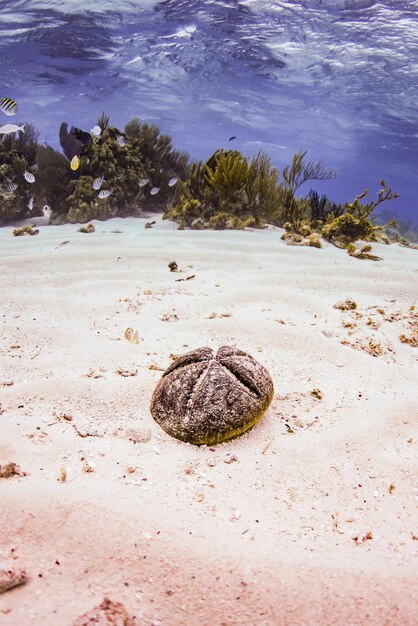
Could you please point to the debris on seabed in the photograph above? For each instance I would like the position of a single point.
(179, 280)
(317, 393)
(25, 230)
(93, 374)
(87, 229)
(346, 305)
(139, 435)
(267, 446)
(236, 514)
(63, 243)
(89, 466)
(126, 373)
(11, 469)
(169, 317)
(231, 458)
(10, 577)
(107, 612)
(359, 540)
(131, 335)
(214, 315)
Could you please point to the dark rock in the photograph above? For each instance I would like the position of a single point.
(70, 145)
(203, 398)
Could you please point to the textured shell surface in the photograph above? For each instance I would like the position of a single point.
(207, 398)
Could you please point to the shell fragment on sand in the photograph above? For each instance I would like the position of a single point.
(11, 577)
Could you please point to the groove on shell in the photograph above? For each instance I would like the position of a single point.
(205, 399)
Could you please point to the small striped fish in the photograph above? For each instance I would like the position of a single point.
(30, 178)
(97, 183)
(104, 194)
(172, 182)
(154, 191)
(143, 181)
(8, 106)
(95, 131)
(11, 187)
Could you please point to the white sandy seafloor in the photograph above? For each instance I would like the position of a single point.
(310, 518)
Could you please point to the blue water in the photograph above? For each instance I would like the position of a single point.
(336, 77)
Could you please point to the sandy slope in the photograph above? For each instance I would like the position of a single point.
(261, 530)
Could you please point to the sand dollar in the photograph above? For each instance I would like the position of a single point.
(203, 398)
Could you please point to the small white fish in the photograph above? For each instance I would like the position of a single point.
(143, 181)
(98, 182)
(30, 178)
(6, 129)
(31, 203)
(172, 182)
(47, 211)
(96, 131)
(8, 106)
(11, 187)
(154, 191)
(75, 163)
(104, 194)
(121, 140)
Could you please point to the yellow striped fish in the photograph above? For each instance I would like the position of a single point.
(8, 106)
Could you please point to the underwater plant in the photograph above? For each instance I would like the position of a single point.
(229, 174)
(321, 208)
(160, 161)
(118, 165)
(102, 181)
(294, 209)
(357, 220)
(17, 156)
(52, 179)
(228, 191)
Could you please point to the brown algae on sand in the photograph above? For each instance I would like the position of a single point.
(207, 398)
(25, 230)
